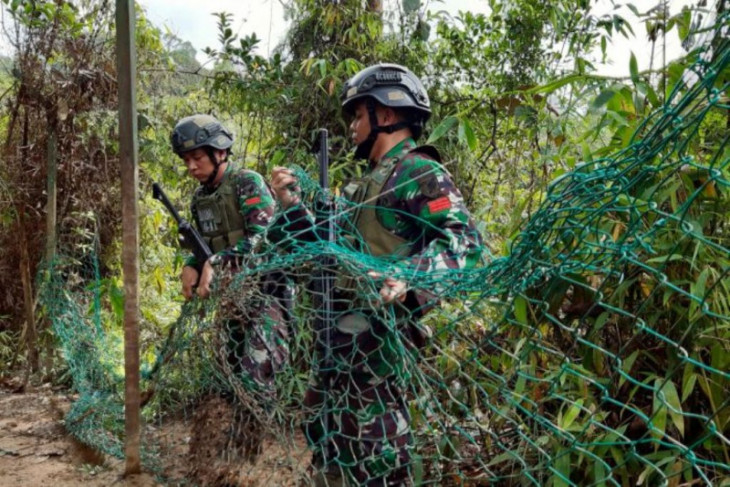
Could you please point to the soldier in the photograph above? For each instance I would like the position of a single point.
(232, 208)
(407, 208)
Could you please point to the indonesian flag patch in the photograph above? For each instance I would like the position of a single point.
(440, 204)
(253, 201)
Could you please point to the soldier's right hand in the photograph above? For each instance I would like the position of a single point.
(189, 278)
(285, 186)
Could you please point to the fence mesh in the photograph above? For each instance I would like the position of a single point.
(595, 353)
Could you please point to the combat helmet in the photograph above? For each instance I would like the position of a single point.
(393, 86)
(201, 132)
(198, 131)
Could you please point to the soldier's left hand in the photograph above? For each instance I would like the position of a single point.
(206, 276)
(392, 290)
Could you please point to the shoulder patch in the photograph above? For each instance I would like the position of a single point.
(439, 205)
(427, 178)
(247, 185)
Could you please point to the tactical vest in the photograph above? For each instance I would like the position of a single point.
(219, 217)
(365, 193)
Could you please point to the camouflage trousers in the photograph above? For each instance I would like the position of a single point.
(357, 418)
(258, 342)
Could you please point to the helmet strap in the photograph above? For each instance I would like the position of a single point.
(366, 146)
(216, 166)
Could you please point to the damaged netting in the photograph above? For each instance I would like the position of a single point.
(595, 353)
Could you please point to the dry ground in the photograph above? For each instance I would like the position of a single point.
(36, 450)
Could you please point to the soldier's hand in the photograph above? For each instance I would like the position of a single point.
(285, 186)
(392, 290)
(188, 277)
(206, 276)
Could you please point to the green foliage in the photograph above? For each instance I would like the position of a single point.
(607, 389)
(8, 352)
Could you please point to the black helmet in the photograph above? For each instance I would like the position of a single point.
(391, 85)
(200, 131)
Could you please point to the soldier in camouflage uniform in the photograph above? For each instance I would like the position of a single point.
(405, 207)
(232, 208)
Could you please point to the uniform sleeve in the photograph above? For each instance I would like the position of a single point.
(292, 226)
(256, 205)
(452, 239)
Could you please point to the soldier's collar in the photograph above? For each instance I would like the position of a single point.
(403, 147)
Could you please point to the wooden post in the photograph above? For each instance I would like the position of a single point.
(52, 165)
(51, 221)
(126, 75)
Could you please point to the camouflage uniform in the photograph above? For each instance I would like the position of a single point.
(364, 426)
(232, 217)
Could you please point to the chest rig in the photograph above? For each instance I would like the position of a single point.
(219, 217)
(365, 193)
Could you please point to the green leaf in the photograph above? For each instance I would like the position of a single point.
(634, 69)
(600, 321)
(558, 83)
(620, 120)
(674, 406)
(689, 379)
(602, 98)
(652, 96)
(441, 129)
(599, 474)
(571, 414)
(697, 289)
(562, 464)
(502, 458)
(659, 411)
(116, 299)
(645, 474)
(684, 21)
(665, 258)
(627, 365)
(277, 158)
(520, 308)
(466, 134)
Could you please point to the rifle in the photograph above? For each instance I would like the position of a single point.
(189, 236)
(326, 277)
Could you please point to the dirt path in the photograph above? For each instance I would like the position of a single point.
(36, 450)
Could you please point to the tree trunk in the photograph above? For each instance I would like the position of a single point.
(29, 331)
(26, 279)
(52, 166)
(51, 219)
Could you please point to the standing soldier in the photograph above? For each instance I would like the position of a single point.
(405, 208)
(232, 208)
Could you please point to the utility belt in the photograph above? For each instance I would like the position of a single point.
(354, 315)
(220, 242)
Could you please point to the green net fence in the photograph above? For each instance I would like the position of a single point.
(595, 353)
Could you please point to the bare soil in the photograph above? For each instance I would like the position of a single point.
(36, 449)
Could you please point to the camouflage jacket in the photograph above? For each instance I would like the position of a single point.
(420, 204)
(256, 206)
